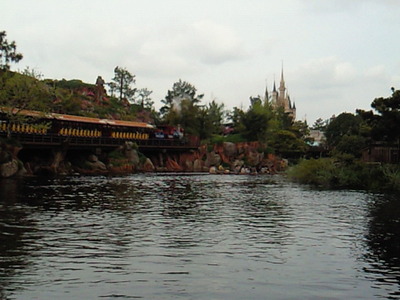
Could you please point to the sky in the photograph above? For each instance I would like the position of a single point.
(337, 55)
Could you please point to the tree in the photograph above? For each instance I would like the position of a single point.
(8, 52)
(122, 82)
(143, 98)
(256, 121)
(21, 92)
(319, 124)
(210, 119)
(181, 106)
(385, 124)
(181, 91)
(344, 124)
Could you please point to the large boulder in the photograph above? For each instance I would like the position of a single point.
(229, 149)
(198, 165)
(9, 169)
(130, 152)
(95, 164)
(213, 159)
(254, 158)
(148, 166)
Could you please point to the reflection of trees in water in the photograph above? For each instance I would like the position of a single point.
(218, 209)
(41, 216)
(16, 232)
(383, 239)
(81, 194)
(262, 215)
(181, 198)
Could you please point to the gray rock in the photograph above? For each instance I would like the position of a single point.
(9, 169)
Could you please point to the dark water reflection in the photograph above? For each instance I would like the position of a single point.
(195, 237)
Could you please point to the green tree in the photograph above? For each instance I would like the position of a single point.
(172, 104)
(21, 92)
(351, 144)
(122, 84)
(210, 119)
(384, 125)
(319, 124)
(256, 121)
(8, 52)
(143, 98)
(343, 124)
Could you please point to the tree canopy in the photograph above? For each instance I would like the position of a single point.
(8, 52)
(384, 125)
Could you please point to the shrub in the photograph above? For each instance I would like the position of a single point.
(318, 172)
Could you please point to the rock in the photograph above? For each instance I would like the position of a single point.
(213, 159)
(212, 170)
(130, 152)
(198, 165)
(230, 149)
(173, 166)
(148, 166)
(5, 156)
(93, 158)
(9, 169)
(132, 156)
(254, 158)
(97, 165)
(188, 166)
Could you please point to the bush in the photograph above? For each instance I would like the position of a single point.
(318, 172)
(334, 173)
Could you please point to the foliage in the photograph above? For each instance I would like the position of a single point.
(348, 173)
(256, 121)
(20, 92)
(8, 52)
(385, 124)
(314, 171)
(182, 91)
(181, 107)
(210, 120)
(320, 124)
(344, 124)
(122, 82)
(143, 98)
(351, 144)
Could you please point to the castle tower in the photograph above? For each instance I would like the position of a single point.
(280, 98)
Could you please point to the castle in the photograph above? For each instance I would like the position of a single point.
(281, 98)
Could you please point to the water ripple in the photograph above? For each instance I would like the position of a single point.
(192, 236)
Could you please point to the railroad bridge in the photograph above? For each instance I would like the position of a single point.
(48, 140)
(74, 137)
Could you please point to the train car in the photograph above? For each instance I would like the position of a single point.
(69, 125)
(39, 128)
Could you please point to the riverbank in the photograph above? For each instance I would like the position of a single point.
(333, 173)
(221, 158)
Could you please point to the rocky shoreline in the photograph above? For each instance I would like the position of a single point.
(224, 158)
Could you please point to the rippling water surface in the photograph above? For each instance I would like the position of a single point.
(195, 237)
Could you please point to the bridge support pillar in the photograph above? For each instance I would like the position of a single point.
(161, 159)
(58, 157)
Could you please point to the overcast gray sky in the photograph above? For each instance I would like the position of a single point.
(338, 55)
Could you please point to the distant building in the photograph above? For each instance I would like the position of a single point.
(318, 138)
(281, 98)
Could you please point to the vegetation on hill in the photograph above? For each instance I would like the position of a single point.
(181, 106)
(346, 135)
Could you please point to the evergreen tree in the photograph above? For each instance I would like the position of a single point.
(8, 52)
(122, 84)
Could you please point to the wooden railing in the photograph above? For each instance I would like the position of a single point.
(39, 140)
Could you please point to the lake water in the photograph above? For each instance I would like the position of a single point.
(195, 236)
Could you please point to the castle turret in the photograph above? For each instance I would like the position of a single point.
(280, 98)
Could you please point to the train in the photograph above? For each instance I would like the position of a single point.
(86, 127)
